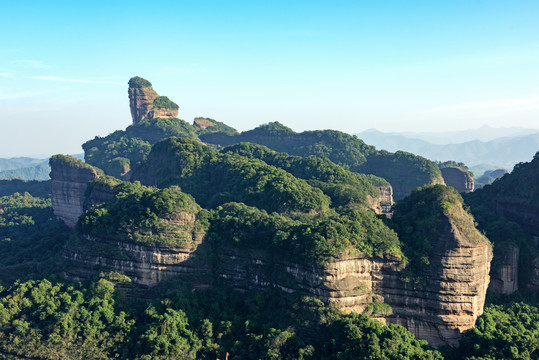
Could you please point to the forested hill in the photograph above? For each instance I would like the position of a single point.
(404, 171)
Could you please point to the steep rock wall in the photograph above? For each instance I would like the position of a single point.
(447, 304)
(453, 294)
(459, 179)
(69, 179)
(382, 204)
(141, 102)
(439, 311)
(504, 274)
(145, 265)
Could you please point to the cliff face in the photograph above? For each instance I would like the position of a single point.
(504, 275)
(69, 179)
(453, 294)
(141, 102)
(145, 265)
(382, 204)
(448, 303)
(459, 179)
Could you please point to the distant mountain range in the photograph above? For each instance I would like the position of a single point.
(27, 168)
(484, 133)
(517, 145)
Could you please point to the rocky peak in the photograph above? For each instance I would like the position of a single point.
(145, 102)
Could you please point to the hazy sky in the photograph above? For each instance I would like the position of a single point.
(346, 65)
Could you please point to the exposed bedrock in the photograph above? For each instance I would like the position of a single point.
(448, 303)
(382, 204)
(144, 264)
(69, 180)
(504, 274)
(141, 102)
(459, 179)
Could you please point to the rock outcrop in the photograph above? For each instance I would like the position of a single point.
(459, 179)
(69, 180)
(141, 102)
(145, 265)
(439, 311)
(504, 275)
(203, 123)
(453, 294)
(382, 204)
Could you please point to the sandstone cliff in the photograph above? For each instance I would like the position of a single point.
(382, 204)
(504, 274)
(141, 102)
(144, 264)
(439, 310)
(69, 179)
(459, 179)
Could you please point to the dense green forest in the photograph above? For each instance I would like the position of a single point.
(214, 178)
(123, 150)
(110, 317)
(300, 197)
(404, 171)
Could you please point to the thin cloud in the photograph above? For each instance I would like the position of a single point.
(6, 74)
(34, 64)
(71, 80)
(517, 103)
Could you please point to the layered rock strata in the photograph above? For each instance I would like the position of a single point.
(141, 102)
(447, 304)
(203, 123)
(69, 180)
(145, 265)
(453, 294)
(459, 179)
(439, 309)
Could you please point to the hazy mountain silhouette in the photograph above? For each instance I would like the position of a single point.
(502, 152)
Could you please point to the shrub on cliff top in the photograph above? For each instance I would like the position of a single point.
(303, 238)
(418, 218)
(163, 102)
(70, 161)
(138, 82)
(214, 178)
(144, 214)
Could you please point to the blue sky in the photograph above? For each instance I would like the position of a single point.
(345, 65)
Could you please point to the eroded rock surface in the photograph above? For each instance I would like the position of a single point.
(459, 179)
(504, 276)
(141, 102)
(69, 180)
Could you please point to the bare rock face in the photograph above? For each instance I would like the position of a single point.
(459, 179)
(453, 295)
(141, 102)
(203, 123)
(382, 204)
(144, 264)
(504, 276)
(533, 282)
(438, 311)
(69, 179)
